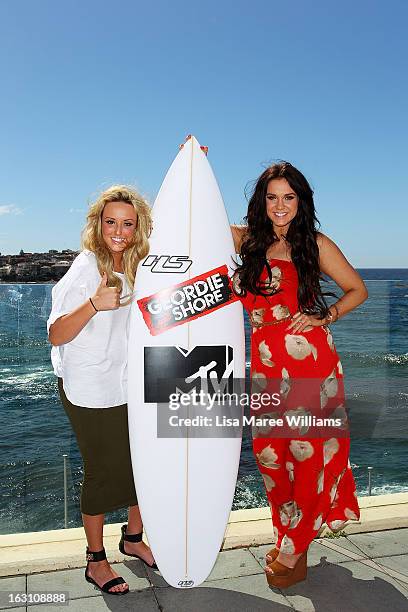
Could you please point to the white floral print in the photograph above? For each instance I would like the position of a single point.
(284, 518)
(274, 283)
(330, 448)
(336, 525)
(265, 354)
(302, 424)
(280, 312)
(290, 514)
(298, 347)
(328, 388)
(257, 316)
(320, 481)
(350, 514)
(291, 469)
(333, 490)
(285, 384)
(262, 431)
(296, 518)
(340, 413)
(267, 457)
(260, 381)
(330, 339)
(318, 522)
(269, 482)
(301, 449)
(287, 545)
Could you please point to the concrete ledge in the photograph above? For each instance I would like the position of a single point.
(28, 553)
(253, 527)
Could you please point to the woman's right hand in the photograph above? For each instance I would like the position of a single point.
(106, 298)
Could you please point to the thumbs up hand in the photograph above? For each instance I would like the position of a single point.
(106, 298)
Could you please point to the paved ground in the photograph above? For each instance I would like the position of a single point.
(357, 573)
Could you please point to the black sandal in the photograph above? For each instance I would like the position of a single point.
(100, 556)
(137, 537)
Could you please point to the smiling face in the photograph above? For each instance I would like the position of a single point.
(119, 222)
(281, 203)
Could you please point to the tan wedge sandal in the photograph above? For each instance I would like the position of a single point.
(283, 576)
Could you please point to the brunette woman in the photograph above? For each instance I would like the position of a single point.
(306, 471)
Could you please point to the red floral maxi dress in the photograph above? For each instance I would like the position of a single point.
(305, 467)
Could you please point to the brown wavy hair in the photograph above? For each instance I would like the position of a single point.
(301, 237)
(92, 238)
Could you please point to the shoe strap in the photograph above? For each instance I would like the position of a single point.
(99, 555)
(111, 583)
(135, 537)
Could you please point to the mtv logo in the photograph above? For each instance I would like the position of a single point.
(169, 369)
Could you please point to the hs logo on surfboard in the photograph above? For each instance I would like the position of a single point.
(187, 301)
(178, 264)
(167, 368)
(185, 583)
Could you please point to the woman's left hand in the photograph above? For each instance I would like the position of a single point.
(304, 322)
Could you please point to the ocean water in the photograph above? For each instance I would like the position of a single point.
(372, 343)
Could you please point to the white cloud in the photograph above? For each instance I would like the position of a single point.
(10, 209)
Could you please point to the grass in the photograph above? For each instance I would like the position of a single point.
(332, 535)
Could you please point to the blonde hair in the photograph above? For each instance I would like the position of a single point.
(139, 247)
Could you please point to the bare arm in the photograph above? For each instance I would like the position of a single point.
(238, 232)
(67, 327)
(335, 265)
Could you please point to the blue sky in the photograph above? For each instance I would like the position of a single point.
(96, 92)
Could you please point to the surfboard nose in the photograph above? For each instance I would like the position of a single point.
(190, 138)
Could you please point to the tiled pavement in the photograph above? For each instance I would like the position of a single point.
(357, 573)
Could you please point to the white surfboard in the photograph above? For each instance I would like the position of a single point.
(185, 485)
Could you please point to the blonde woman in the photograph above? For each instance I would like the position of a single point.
(88, 330)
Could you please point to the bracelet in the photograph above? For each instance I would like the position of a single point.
(330, 315)
(337, 313)
(96, 310)
(329, 318)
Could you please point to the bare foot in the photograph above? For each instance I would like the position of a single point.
(268, 557)
(284, 559)
(141, 549)
(101, 572)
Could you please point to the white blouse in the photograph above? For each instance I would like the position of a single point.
(93, 365)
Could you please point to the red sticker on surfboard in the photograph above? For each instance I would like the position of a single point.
(187, 301)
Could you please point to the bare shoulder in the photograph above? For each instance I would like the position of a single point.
(238, 233)
(323, 241)
(328, 249)
(334, 264)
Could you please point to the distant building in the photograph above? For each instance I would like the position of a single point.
(5, 271)
(60, 268)
(36, 267)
